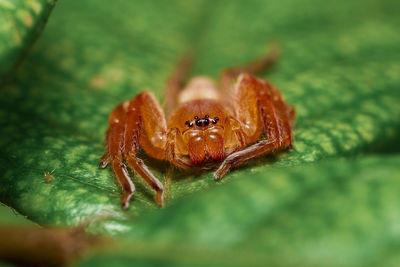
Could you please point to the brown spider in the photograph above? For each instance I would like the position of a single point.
(205, 125)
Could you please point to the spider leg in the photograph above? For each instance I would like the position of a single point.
(139, 122)
(105, 159)
(272, 114)
(145, 125)
(175, 83)
(228, 76)
(114, 154)
(140, 168)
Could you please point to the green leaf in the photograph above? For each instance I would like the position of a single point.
(339, 69)
(337, 212)
(20, 24)
(8, 216)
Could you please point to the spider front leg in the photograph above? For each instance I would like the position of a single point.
(115, 153)
(141, 121)
(259, 106)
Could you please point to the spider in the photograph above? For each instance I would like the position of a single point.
(206, 124)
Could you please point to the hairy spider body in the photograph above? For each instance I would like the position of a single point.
(207, 125)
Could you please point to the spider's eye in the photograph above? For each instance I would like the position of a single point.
(206, 122)
(196, 118)
(214, 121)
(199, 122)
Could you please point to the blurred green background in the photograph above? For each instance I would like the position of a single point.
(331, 200)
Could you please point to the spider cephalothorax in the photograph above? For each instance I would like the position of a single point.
(206, 124)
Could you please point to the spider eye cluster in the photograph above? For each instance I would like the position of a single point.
(202, 121)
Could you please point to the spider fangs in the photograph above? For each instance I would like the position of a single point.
(241, 108)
